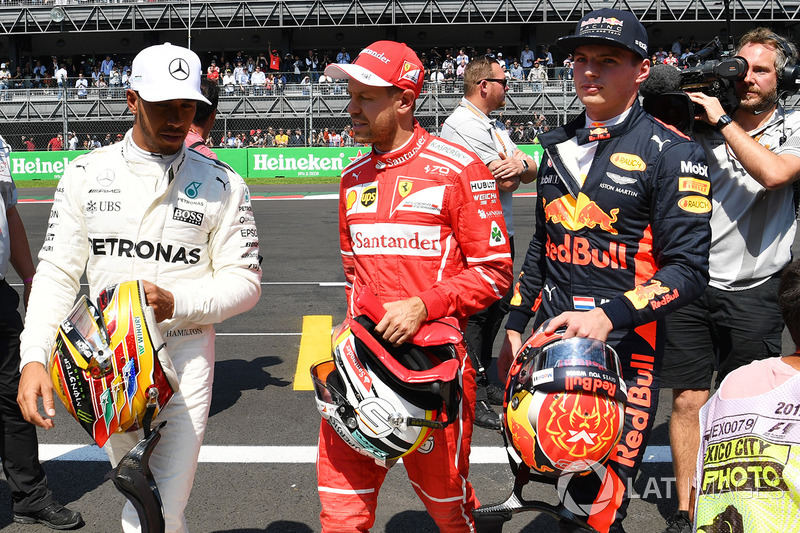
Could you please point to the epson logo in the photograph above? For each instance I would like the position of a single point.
(184, 215)
(694, 168)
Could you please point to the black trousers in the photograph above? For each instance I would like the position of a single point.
(19, 447)
(482, 328)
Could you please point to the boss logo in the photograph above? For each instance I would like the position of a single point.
(184, 215)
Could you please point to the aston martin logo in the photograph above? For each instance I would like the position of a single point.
(179, 69)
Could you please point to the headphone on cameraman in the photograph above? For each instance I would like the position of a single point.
(789, 74)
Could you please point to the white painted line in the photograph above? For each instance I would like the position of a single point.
(286, 454)
(257, 334)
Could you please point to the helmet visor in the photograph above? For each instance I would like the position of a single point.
(578, 351)
(86, 322)
(326, 378)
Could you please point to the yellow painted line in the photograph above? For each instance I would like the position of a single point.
(315, 345)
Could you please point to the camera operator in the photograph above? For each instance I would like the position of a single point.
(753, 157)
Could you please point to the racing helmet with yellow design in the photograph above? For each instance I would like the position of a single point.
(564, 405)
(109, 362)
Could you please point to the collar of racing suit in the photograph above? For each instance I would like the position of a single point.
(145, 168)
(405, 153)
(575, 128)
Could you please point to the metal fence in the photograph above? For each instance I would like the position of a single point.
(254, 116)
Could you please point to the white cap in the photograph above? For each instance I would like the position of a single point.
(166, 72)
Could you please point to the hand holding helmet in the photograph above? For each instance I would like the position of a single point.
(384, 400)
(565, 402)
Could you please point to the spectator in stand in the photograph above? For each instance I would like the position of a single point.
(677, 47)
(312, 65)
(95, 143)
(126, 78)
(297, 68)
(660, 54)
(334, 139)
(106, 66)
(281, 139)
(27, 144)
(501, 60)
(269, 137)
(258, 80)
(527, 58)
(343, 57)
(39, 72)
(274, 61)
(17, 78)
(96, 75)
(568, 66)
(548, 62)
(101, 83)
(73, 141)
(516, 71)
(5, 80)
(347, 136)
(212, 73)
(671, 59)
(204, 117)
(228, 83)
(296, 138)
(61, 80)
(462, 65)
(107, 141)
(538, 74)
(115, 81)
(270, 83)
(27, 76)
(56, 143)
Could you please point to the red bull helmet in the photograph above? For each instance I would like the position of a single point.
(564, 403)
(385, 401)
(109, 361)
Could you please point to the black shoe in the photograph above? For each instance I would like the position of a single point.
(495, 394)
(485, 417)
(54, 516)
(679, 523)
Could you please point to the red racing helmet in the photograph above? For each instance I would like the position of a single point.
(564, 404)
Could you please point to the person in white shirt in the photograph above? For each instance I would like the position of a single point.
(526, 58)
(258, 80)
(61, 79)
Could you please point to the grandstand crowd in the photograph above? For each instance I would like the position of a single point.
(269, 73)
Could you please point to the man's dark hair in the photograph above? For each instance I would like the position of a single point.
(789, 299)
(211, 91)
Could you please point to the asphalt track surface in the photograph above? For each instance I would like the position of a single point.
(257, 466)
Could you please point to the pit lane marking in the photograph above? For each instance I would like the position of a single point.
(285, 454)
(315, 345)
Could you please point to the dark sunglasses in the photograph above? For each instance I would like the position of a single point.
(503, 81)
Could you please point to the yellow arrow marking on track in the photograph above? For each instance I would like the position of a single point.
(315, 345)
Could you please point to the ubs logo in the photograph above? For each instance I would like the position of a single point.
(179, 69)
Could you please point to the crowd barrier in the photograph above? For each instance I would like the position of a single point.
(248, 162)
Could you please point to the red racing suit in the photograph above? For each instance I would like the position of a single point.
(423, 220)
(634, 241)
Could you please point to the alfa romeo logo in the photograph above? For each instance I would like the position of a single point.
(179, 69)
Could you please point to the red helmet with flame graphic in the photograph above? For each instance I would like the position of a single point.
(564, 403)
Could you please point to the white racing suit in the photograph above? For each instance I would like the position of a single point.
(189, 230)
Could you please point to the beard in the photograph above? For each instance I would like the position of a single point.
(760, 103)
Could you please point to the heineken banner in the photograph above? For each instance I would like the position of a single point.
(248, 162)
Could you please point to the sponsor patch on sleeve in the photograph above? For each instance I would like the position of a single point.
(496, 236)
(695, 204)
(689, 184)
(642, 294)
(448, 150)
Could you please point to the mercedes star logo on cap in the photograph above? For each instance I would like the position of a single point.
(179, 69)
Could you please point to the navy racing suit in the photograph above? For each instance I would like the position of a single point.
(632, 240)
